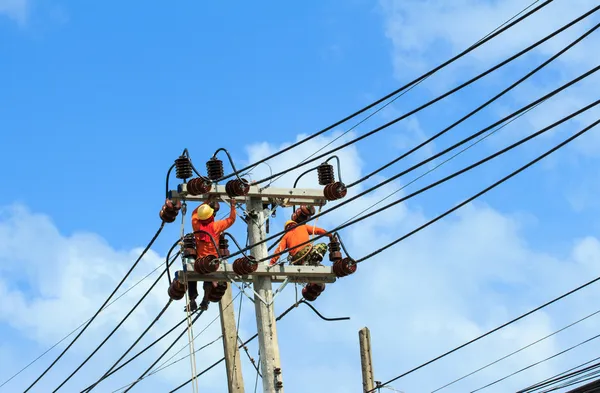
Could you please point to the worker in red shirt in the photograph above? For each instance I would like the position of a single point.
(203, 218)
(311, 254)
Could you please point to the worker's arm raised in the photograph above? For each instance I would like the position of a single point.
(282, 246)
(319, 231)
(222, 225)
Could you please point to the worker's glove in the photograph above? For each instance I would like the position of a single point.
(273, 261)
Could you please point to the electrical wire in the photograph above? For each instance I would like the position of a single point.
(518, 350)
(101, 307)
(114, 330)
(537, 363)
(438, 182)
(561, 376)
(78, 327)
(495, 33)
(501, 121)
(418, 109)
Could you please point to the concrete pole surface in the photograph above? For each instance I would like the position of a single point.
(265, 319)
(366, 361)
(233, 364)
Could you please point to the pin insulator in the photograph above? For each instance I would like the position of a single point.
(312, 291)
(335, 191)
(169, 211)
(189, 246)
(303, 213)
(207, 264)
(176, 290)
(244, 266)
(335, 253)
(344, 267)
(214, 204)
(183, 168)
(326, 174)
(224, 247)
(214, 169)
(199, 185)
(215, 290)
(237, 187)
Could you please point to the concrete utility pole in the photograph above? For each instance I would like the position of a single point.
(366, 361)
(233, 364)
(265, 318)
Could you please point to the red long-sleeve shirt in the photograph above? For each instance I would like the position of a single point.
(206, 248)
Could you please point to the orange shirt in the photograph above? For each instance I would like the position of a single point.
(298, 235)
(206, 248)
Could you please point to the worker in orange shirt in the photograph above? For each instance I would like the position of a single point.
(203, 218)
(311, 254)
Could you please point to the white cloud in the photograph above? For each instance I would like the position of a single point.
(15, 9)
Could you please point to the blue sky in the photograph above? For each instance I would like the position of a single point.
(96, 100)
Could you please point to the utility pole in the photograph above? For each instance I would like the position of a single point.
(366, 360)
(233, 364)
(265, 318)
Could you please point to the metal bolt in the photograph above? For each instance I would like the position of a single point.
(277, 370)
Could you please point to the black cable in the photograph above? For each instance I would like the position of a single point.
(113, 331)
(167, 181)
(494, 98)
(146, 349)
(490, 36)
(116, 363)
(436, 183)
(561, 376)
(321, 315)
(235, 171)
(435, 100)
(537, 363)
(159, 358)
(516, 113)
(573, 379)
(101, 307)
(517, 351)
(240, 346)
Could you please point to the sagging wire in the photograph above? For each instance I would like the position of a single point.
(230, 161)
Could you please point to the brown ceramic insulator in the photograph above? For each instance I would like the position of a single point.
(183, 168)
(199, 185)
(217, 292)
(245, 266)
(315, 289)
(344, 267)
(308, 295)
(224, 247)
(169, 211)
(214, 169)
(325, 173)
(237, 187)
(176, 290)
(214, 205)
(335, 191)
(206, 265)
(189, 246)
(334, 247)
(303, 213)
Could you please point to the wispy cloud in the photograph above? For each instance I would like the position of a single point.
(15, 9)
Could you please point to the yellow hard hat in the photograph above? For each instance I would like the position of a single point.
(204, 212)
(288, 222)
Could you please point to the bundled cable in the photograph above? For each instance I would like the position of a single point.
(101, 307)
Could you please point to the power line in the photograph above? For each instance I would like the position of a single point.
(116, 327)
(412, 112)
(537, 363)
(101, 307)
(343, 203)
(518, 350)
(416, 80)
(561, 376)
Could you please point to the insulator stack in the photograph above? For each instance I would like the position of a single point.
(169, 211)
(326, 174)
(335, 191)
(224, 247)
(335, 253)
(344, 267)
(214, 169)
(237, 187)
(176, 290)
(183, 168)
(244, 266)
(303, 213)
(216, 290)
(312, 291)
(189, 246)
(206, 265)
(199, 185)
(215, 205)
